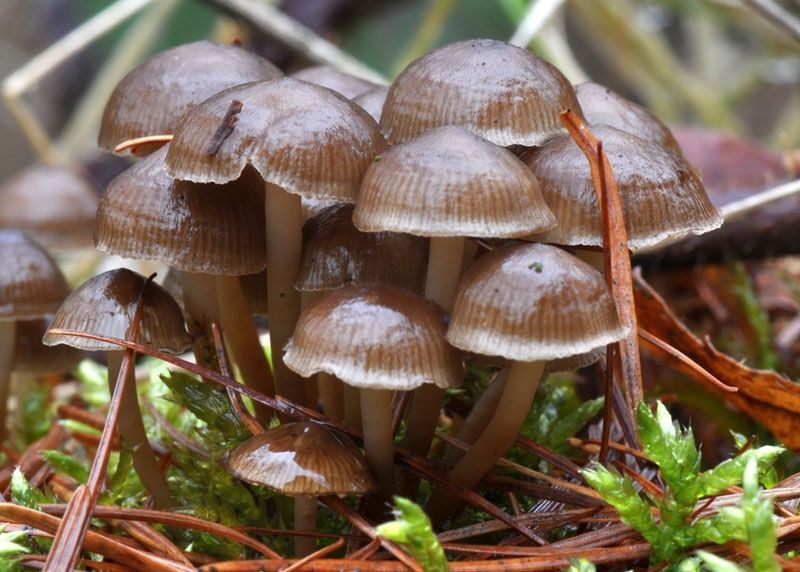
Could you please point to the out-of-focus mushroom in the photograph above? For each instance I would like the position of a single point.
(372, 101)
(340, 82)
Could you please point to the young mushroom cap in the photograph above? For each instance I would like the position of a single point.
(105, 305)
(533, 302)
(196, 227)
(375, 336)
(336, 253)
(32, 356)
(348, 85)
(154, 96)
(302, 459)
(451, 182)
(372, 101)
(307, 139)
(502, 92)
(662, 195)
(53, 204)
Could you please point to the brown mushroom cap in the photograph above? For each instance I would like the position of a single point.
(451, 182)
(154, 96)
(375, 336)
(32, 356)
(216, 229)
(336, 253)
(503, 93)
(662, 194)
(302, 459)
(307, 139)
(31, 285)
(372, 101)
(348, 85)
(533, 302)
(53, 205)
(105, 305)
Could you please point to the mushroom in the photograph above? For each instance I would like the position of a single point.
(372, 101)
(31, 287)
(304, 140)
(305, 461)
(105, 305)
(348, 85)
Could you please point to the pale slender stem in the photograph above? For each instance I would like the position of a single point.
(241, 335)
(200, 303)
(284, 251)
(305, 520)
(594, 258)
(312, 385)
(331, 393)
(8, 332)
(376, 411)
(352, 407)
(470, 253)
(515, 403)
(132, 430)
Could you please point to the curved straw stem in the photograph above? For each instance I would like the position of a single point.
(200, 304)
(8, 333)
(376, 411)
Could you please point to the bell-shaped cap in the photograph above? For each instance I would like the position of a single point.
(307, 139)
(501, 92)
(302, 459)
(451, 182)
(348, 85)
(375, 336)
(31, 285)
(52, 204)
(372, 101)
(196, 227)
(105, 305)
(32, 356)
(336, 253)
(662, 195)
(154, 96)
(532, 302)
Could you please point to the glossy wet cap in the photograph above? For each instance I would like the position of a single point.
(450, 182)
(31, 285)
(502, 92)
(348, 85)
(32, 356)
(307, 139)
(372, 101)
(105, 305)
(154, 96)
(532, 302)
(52, 204)
(336, 253)
(375, 336)
(302, 459)
(662, 195)
(601, 105)
(216, 229)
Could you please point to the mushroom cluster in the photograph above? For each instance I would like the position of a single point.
(407, 232)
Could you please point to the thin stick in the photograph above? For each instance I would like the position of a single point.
(536, 17)
(314, 556)
(780, 18)
(608, 406)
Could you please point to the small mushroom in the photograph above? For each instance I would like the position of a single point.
(348, 85)
(372, 101)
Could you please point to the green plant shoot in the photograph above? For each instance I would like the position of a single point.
(412, 530)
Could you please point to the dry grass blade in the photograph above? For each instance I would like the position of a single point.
(314, 556)
(133, 144)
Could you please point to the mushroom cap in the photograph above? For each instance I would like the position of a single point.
(54, 205)
(502, 92)
(336, 253)
(451, 182)
(372, 101)
(533, 302)
(154, 96)
(307, 139)
(662, 195)
(601, 105)
(375, 336)
(348, 85)
(196, 227)
(105, 305)
(31, 285)
(32, 356)
(302, 459)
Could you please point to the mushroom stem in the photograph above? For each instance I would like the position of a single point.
(352, 407)
(376, 428)
(594, 258)
(8, 332)
(470, 253)
(241, 336)
(515, 403)
(202, 308)
(305, 520)
(284, 250)
(331, 393)
(131, 428)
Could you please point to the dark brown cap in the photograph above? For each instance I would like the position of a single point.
(451, 182)
(105, 305)
(348, 85)
(532, 302)
(307, 139)
(154, 96)
(372, 101)
(31, 285)
(662, 195)
(302, 459)
(54, 205)
(336, 253)
(32, 356)
(375, 336)
(503, 93)
(196, 227)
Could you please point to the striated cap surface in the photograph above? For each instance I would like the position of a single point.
(348, 85)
